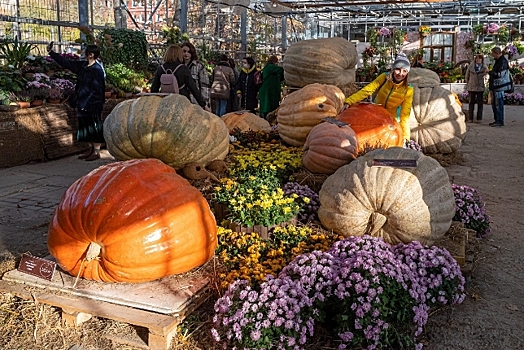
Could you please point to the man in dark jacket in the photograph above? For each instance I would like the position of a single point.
(89, 97)
(499, 82)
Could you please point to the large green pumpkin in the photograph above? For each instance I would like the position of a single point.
(170, 129)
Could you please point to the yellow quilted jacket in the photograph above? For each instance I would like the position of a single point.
(391, 96)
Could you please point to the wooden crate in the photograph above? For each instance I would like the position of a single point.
(79, 304)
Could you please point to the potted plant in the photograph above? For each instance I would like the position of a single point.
(478, 29)
(424, 30)
(65, 88)
(15, 52)
(21, 98)
(38, 91)
(54, 96)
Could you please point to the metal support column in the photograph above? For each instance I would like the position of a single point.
(119, 10)
(284, 34)
(243, 32)
(83, 16)
(183, 16)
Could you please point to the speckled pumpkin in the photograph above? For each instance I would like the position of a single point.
(169, 128)
(437, 122)
(398, 204)
(132, 221)
(301, 110)
(328, 147)
(245, 121)
(326, 61)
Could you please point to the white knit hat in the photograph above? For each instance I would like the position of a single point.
(401, 61)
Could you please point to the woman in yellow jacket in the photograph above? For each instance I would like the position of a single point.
(394, 93)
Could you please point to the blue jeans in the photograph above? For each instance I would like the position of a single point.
(497, 104)
(221, 107)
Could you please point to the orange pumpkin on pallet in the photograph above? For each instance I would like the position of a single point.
(132, 221)
(373, 125)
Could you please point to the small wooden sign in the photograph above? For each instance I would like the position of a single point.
(395, 163)
(38, 267)
(335, 121)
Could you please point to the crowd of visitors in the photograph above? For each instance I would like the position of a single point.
(259, 90)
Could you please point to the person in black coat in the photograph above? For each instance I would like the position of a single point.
(88, 99)
(499, 82)
(173, 58)
(245, 87)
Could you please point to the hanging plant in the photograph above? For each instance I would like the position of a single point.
(478, 29)
(384, 31)
(424, 30)
(373, 36)
(399, 36)
(503, 35)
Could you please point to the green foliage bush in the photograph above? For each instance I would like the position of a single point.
(125, 46)
(124, 78)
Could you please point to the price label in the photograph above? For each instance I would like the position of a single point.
(38, 267)
(395, 163)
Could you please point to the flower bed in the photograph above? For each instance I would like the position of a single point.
(281, 289)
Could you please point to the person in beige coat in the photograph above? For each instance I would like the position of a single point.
(475, 75)
(223, 82)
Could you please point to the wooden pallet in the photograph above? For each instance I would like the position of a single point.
(77, 309)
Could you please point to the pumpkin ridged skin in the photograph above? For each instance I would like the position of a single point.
(423, 77)
(396, 204)
(170, 129)
(437, 122)
(373, 125)
(245, 121)
(149, 221)
(301, 110)
(328, 147)
(305, 62)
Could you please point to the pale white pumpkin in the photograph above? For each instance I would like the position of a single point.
(437, 122)
(396, 204)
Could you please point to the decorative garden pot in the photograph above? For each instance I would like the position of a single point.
(108, 94)
(23, 104)
(36, 103)
(53, 101)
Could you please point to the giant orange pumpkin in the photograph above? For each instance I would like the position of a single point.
(132, 221)
(373, 125)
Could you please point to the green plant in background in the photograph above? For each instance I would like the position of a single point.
(173, 35)
(4, 97)
(398, 36)
(519, 46)
(15, 52)
(209, 57)
(124, 78)
(125, 46)
(478, 29)
(11, 80)
(503, 35)
(89, 36)
(372, 35)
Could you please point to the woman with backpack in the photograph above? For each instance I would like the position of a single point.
(245, 87)
(182, 83)
(223, 81)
